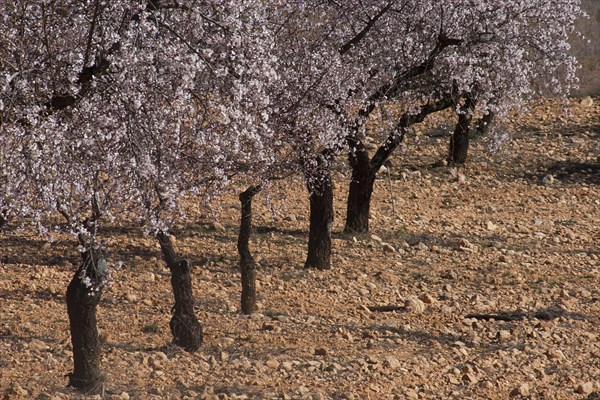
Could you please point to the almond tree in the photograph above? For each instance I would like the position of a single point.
(193, 109)
(120, 109)
(483, 56)
(53, 159)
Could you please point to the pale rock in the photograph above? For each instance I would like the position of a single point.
(388, 248)
(491, 226)
(38, 345)
(124, 396)
(585, 388)
(227, 341)
(392, 362)
(130, 297)
(272, 364)
(504, 335)
(422, 246)
(303, 390)
(218, 227)
(415, 305)
(548, 180)
(376, 238)
(411, 394)
(452, 379)
(427, 298)
(587, 101)
(465, 245)
(154, 363)
(469, 379)
(522, 390)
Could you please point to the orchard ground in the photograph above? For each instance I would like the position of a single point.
(512, 237)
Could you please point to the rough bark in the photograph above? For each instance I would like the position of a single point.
(321, 221)
(359, 201)
(186, 330)
(247, 263)
(81, 307)
(459, 141)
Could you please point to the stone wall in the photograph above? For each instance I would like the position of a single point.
(588, 54)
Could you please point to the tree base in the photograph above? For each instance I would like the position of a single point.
(81, 306)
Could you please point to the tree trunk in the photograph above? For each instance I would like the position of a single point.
(484, 124)
(81, 307)
(321, 221)
(459, 142)
(186, 330)
(359, 201)
(247, 263)
(3, 218)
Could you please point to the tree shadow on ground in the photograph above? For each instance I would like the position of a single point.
(508, 319)
(575, 172)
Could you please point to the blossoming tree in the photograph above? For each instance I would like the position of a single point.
(484, 57)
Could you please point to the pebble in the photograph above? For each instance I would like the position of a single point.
(469, 379)
(320, 351)
(38, 345)
(415, 305)
(272, 364)
(491, 226)
(392, 362)
(503, 334)
(218, 227)
(376, 238)
(422, 246)
(388, 248)
(427, 298)
(130, 297)
(465, 245)
(287, 365)
(585, 388)
(522, 390)
(548, 180)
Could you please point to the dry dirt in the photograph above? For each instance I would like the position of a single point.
(514, 233)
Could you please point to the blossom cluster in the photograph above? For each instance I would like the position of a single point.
(118, 108)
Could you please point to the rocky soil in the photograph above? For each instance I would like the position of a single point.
(491, 273)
